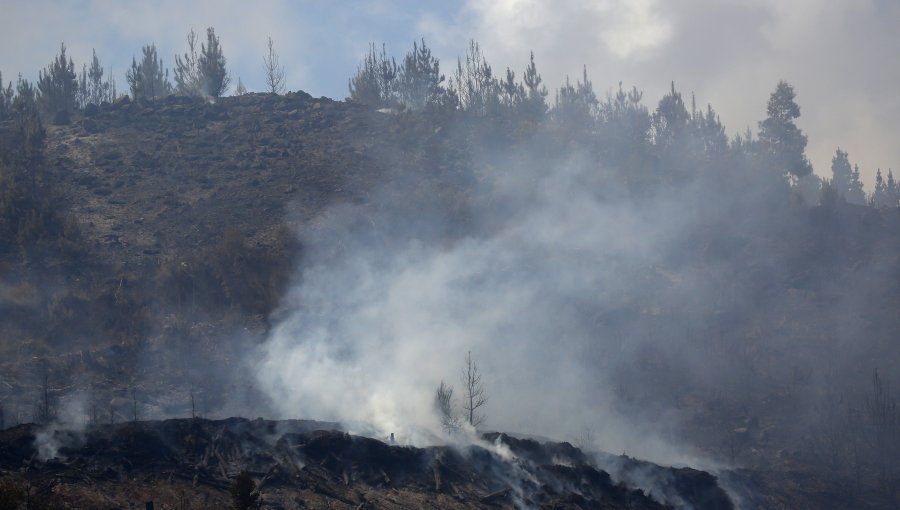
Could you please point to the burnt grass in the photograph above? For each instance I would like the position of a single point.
(305, 464)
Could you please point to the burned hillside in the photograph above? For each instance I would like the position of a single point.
(300, 257)
(296, 464)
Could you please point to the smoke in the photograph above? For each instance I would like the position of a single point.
(383, 312)
(66, 428)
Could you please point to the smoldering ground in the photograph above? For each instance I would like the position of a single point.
(583, 302)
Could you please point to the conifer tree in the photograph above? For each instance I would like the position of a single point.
(535, 91)
(58, 87)
(892, 190)
(6, 99)
(711, 132)
(512, 94)
(670, 121)
(98, 90)
(420, 78)
(879, 194)
(148, 79)
(187, 69)
(375, 81)
(855, 193)
(576, 105)
(781, 142)
(214, 78)
(841, 172)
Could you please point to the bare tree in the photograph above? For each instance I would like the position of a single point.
(443, 404)
(274, 71)
(44, 412)
(474, 397)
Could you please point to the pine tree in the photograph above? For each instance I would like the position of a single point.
(6, 99)
(98, 90)
(624, 122)
(477, 88)
(187, 71)
(855, 193)
(536, 93)
(781, 142)
(58, 87)
(375, 81)
(512, 93)
(148, 79)
(892, 189)
(420, 78)
(577, 106)
(879, 195)
(711, 132)
(214, 77)
(670, 120)
(841, 172)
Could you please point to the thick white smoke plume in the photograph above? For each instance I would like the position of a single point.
(380, 319)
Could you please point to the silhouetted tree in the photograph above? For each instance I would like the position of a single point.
(577, 106)
(148, 79)
(213, 74)
(711, 132)
(855, 193)
(375, 81)
(841, 170)
(420, 78)
(512, 94)
(6, 99)
(274, 71)
(879, 194)
(444, 405)
(535, 92)
(780, 141)
(187, 69)
(58, 87)
(97, 91)
(893, 190)
(474, 397)
(202, 73)
(478, 90)
(624, 124)
(670, 121)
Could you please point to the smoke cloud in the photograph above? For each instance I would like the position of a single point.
(554, 293)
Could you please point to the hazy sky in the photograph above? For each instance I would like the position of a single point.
(841, 56)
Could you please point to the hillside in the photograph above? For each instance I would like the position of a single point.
(191, 463)
(207, 243)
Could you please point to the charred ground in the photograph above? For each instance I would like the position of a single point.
(169, 235)
(191, 463)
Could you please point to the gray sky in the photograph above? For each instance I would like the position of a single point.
(840, 55)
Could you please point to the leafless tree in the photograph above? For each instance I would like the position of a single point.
(274, 71)
(134, 405)
(474, 397)
(884, 417)
(443, 404)
(44, 412)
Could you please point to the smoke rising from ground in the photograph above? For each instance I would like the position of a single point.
(556, 298)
